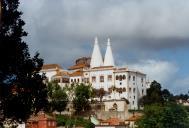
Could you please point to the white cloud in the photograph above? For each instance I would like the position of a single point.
(142, 24)
(163, 72)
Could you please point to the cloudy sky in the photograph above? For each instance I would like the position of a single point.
(148, 35)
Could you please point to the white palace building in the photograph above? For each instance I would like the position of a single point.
(102, 73)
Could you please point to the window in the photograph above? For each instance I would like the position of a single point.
(93, 79)
(87, 80)
(124, 89)
(117, 77)
(129, 77)
(142, 92)
(120, 83)
(57, 80)
(120, 77)
(109, 77)
(133, 90)
(133, 102)
(133, 78)
(78, 80)
(71, 80)
(124, 77)
(141, 80)
(101, 78)
(75, 80)
(134, 97)
(129, 89)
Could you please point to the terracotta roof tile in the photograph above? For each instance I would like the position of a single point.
(113, 121)
(62, 73)
(76, 73)
(134, 118)
(36, 117)
(51, 66)
(78, 66)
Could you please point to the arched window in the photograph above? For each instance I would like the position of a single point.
(117, 77)
(124, 77)
(120, 77)
(115, 106)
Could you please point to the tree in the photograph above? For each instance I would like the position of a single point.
(156, 95)
(22, 90)
(98, 93)
(57, 97)
(182, 97)
(82, 94)
(168, 116)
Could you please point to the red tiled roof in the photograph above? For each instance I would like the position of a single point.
(51, 66)
(61, 73)
(113, 121)
(76, 73)
(37, 117)
(78, 66)
(134, 118)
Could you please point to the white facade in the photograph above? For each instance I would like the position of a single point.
(118, 82)
(54, 72)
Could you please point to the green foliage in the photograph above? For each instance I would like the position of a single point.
(58, 98)
(182, 97)
(82, 94)
(156, 95)
(22, 91)
(167, 116)
(98, 93)
(69, 122)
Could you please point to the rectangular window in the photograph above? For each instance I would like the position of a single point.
(133, 78)
(93, 79)
(101, 78)
(109, 77)
(133, 90)
(141, 80)
(129, 77)
(129, 89)
(142, 92)
(87, 80)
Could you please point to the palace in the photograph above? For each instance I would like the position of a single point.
(119, 83)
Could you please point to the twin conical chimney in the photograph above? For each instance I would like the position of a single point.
(109, 60)
(96, 59)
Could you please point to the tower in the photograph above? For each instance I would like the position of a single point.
(96, 58)
(109, 60)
